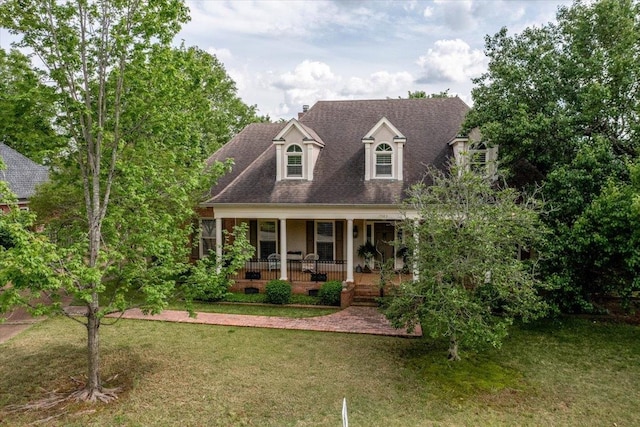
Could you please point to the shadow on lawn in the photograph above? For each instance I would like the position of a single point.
(36, 372)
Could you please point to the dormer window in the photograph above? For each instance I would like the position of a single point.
(384, 152)
(294, 161)
(384, 161)
(297, 150)
(478, 158)
(471, 153)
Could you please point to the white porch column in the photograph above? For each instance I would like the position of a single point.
(283, 249)
(350, 251)
(219, 242)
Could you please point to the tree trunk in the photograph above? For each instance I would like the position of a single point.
(93, 349)
(453, 349)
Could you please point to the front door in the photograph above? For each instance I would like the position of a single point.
(383, 237)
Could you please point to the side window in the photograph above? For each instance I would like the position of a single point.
(267, 243)
(384, 156)
(207, 236)
(324, 240)
(294, 161)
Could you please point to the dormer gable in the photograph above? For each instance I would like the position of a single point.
(297, 150)
(384, 152)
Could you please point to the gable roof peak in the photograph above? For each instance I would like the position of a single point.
(308, 133)
(383, 122)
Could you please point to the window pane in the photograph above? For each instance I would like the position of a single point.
(383, 165)
(294, 170)
(325, 250)
(325, 231)
(294, 149)
(267, 248)
(208, 245)
(294, 166)
(208, 227)
(478, 160)
(324, 240)
(267, 237)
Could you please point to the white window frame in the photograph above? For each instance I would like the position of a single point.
(291, 153)
(209, 235)
(389, 153)
(260, 239)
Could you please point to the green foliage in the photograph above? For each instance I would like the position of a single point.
(366, 250)
(27, 108)
(330, 292)
(278, 292)
(139, 120)
(470, 285)
(422, 94)
(209, 278)
(563, 103)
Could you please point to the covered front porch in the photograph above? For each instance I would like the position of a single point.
(309, 243)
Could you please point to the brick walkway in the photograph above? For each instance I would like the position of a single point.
(355, 320)
(16, 321)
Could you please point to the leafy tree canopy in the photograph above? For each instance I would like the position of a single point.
(470, 284)
(139, 119)
(27, 108)
(563, 103)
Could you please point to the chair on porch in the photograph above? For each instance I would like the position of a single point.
(309, 262)
(273, 261)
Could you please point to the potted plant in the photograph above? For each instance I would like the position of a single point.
(367, 251)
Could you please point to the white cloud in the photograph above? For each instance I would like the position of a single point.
(451, 61)
(428, 12)
(307, 75)
(312, 81)
(222, 54)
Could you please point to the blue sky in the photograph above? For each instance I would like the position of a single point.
(283, 54)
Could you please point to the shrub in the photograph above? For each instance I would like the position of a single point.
(278, 292)
(330, 292)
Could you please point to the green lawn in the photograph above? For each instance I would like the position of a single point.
(560, 373)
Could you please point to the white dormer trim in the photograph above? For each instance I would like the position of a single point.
(384, 132)
(295, 133)
(469, 152)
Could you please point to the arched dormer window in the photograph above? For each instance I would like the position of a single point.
(384, 152)
(294, 161)
(478, 157)
(384, 161)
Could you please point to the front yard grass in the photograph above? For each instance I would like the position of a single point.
(567, 372)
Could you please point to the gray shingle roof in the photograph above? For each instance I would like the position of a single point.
(21, 173)
(428, 125)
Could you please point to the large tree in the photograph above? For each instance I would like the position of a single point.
(139, 119)
(563, 103)
(464, 242)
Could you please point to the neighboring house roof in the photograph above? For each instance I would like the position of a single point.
(338, 178)
(21, 173)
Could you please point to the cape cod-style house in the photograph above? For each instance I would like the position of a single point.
(315, 189)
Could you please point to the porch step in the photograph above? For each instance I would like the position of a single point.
(364, 301)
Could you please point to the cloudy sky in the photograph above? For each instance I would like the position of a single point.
(284, 54)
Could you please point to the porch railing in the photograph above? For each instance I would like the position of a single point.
(297, 270)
